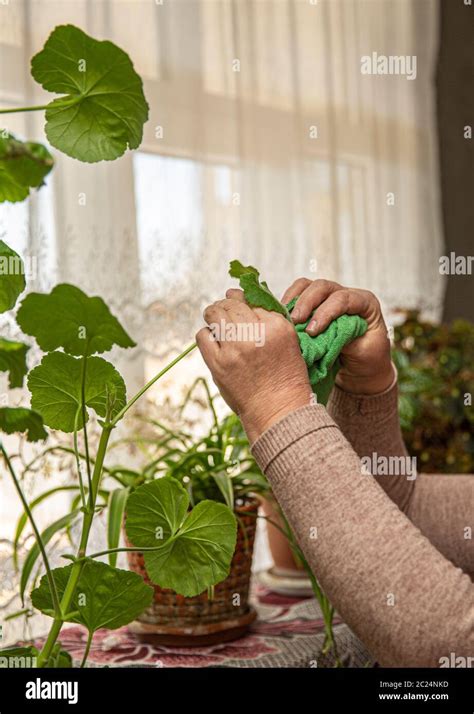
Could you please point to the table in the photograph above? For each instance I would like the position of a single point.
(288, 632)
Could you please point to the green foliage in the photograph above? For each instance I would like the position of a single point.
(436, 376)
(217, 465)
(34, 552)
(192, 550)
(18, 656)
(105, 596)
(56, 384)
(13, 361)
(103, 108)
(80, 324)
(23, 420)
(256, 292)
(23, 165)
(115, 513)
(12, 277)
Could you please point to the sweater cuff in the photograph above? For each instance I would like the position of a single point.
(292, 428)
(371, 405)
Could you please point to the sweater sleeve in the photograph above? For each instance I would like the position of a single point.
(408, 603)
(441, 506)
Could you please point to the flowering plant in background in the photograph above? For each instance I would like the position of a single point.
(436, 382)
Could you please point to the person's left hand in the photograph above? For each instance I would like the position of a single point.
(260, 383)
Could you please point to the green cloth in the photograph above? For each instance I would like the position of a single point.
(321, 353)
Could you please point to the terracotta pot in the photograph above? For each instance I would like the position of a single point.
(283, 557)
(175, 619)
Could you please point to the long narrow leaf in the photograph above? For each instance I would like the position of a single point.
(32, 556)
(224, 483)
(22, 521)
(116, 509)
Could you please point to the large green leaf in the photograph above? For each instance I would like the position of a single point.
(21, 419)
(13, 361)
(34, 552)
(115, 511)
(104, 597)
(12, 277)
(256, 292)
(104, 108)
(23, 165)
(68, 318)
(55, 387)
(196, 547)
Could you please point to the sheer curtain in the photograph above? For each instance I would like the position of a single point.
(265, 143)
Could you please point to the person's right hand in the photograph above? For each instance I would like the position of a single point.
(366, 366)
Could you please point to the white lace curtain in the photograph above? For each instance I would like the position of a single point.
(265, 143)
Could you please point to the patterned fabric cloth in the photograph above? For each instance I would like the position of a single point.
(288, 632)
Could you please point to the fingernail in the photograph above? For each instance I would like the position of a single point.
(296, 314)
(312, 326)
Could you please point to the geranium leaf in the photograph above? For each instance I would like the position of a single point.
(104, 108)
(104, 596)
(23, 165)
(68, 318)
(256, 292)
(197, 547)
(55, 387)
(12, 277)
(13, 361)
(21, 419)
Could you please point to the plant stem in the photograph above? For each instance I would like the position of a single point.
(84, 426)
(51, 582)
(23, 109)
(152, 381)
(87, 650)
(78, 565)
(78, 461)
(125, 550)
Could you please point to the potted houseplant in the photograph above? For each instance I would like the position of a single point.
(73, 385)
(215, 466)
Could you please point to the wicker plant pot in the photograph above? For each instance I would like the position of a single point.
(193, 621)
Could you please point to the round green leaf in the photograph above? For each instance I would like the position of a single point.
(68, 318)
(12, 277)
(21, 419)
(23, 165)
(194, 549)
(55, 387)
(13, 361)
(104, 108)
(104, 597)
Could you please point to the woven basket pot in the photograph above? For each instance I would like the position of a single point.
(173, 619)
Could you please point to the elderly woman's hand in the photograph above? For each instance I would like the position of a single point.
(366, 366)
(255, 361)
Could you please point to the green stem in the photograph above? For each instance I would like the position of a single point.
(24, 109)
(84, 423)
(78, 461)
(78, 565)
(87, 650)
(149, 384)
(126, 550)
(51, 582)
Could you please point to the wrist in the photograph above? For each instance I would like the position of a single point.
(264, 412)
(369, 385)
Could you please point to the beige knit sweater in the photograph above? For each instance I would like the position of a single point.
(395, 555)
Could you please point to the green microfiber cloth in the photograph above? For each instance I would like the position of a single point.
(321, 353)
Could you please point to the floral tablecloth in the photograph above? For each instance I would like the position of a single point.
(288, 632)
